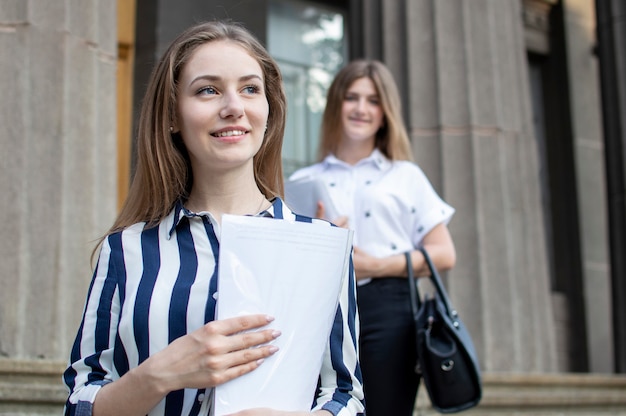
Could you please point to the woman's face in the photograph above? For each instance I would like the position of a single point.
(361, 112)
(222, 109)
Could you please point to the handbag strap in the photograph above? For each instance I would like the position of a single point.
(434, 277)
(413, 293)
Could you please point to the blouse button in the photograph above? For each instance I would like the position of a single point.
(393, 246)
(200, 397)
(367, 214)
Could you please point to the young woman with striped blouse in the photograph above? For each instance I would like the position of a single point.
(209, 143)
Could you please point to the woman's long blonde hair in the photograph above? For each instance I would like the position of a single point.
(391, 139)
(163, 173)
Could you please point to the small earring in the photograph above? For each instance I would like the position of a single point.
(171, 129)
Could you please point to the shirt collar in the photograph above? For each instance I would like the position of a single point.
(376, 158)
(179, 212)
(176, 216)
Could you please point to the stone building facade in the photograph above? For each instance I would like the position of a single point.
(505, 102)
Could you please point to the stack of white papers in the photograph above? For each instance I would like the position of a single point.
(294, 272)
(302, 195)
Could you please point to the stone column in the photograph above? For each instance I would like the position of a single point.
(611, 33)
(463, 69)
(586, 109)
(57, 175)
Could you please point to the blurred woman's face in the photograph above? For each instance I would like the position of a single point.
(361, 112)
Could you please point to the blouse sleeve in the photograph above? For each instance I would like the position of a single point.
(341, 389)
(432, 209)
(91, 359)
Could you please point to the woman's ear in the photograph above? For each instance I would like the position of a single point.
(174, 124)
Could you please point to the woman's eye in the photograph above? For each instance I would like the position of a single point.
(207, 91)
(251, 89)
(350, 98)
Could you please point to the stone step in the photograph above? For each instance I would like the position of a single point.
(34, 387)
(544, 395)
(31, 387)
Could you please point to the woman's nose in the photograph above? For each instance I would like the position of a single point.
(233, 106)
(361, 105)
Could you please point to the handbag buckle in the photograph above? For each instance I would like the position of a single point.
(447, 365)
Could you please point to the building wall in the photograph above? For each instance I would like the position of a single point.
(469, 117)
(58, 166)
(580, 25)
(58, 173)
(463, 68)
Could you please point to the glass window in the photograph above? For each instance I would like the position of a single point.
(307, 40)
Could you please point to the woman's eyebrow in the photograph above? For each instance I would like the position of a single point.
(215, 78)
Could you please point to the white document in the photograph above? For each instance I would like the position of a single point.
(302, 195)
(294, 272)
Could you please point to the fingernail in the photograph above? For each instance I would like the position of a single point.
(260, 361)
(273, 348)
(269, 318)
(276, 333)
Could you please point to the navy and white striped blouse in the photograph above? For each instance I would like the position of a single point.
(153, 285)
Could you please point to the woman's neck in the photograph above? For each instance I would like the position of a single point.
(351, 152)
(233, 194)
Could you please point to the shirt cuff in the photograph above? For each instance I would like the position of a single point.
(85, 397)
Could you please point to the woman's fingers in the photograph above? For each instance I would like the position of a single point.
(341, 221)
(251, 339)
(235, 334)
(244, 361)
(237, 324)
(236, 346)
(228, 366)
(217, 352)
(321, 211)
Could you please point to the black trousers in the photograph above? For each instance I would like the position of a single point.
(387, 347)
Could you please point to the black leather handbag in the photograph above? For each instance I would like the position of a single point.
(447, 358)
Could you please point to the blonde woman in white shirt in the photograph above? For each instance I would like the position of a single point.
(366, 166)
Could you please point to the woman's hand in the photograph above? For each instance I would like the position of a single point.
(321, 213)
(271, 412)
(438, 243)
(215, 353)
(366, 266)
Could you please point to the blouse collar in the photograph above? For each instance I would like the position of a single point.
(376, 158)
(179, 213)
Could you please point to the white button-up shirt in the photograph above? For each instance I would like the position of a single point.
(390, 205)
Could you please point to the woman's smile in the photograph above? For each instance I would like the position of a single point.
(230, 134)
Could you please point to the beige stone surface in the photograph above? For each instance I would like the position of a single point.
(33, 387)
(591, 181)
(509, 394)
(58, 169)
